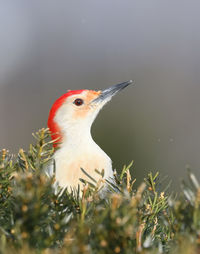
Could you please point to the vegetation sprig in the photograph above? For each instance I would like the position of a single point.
(36, 216)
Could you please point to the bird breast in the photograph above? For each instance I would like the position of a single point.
(69, 163)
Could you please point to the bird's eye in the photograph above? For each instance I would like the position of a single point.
(78, 102)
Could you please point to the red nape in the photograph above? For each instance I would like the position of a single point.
(53, 126)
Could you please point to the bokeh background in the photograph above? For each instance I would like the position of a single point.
(47, 47)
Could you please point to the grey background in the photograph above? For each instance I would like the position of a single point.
(47, 47)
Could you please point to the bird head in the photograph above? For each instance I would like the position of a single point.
(77, 109)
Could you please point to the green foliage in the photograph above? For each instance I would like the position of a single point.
(36, 216)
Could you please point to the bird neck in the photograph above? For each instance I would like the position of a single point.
(77, 136)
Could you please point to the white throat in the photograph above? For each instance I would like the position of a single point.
(76, 135)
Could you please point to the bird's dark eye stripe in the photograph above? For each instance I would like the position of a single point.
(78, 102)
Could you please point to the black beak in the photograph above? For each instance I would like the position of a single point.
(111, 91)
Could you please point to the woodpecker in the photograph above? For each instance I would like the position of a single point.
(70, 120)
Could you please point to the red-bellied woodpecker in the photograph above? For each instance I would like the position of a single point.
(70, 120)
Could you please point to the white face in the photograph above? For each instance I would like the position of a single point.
(78, 111)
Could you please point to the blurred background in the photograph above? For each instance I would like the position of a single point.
(47, 47)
